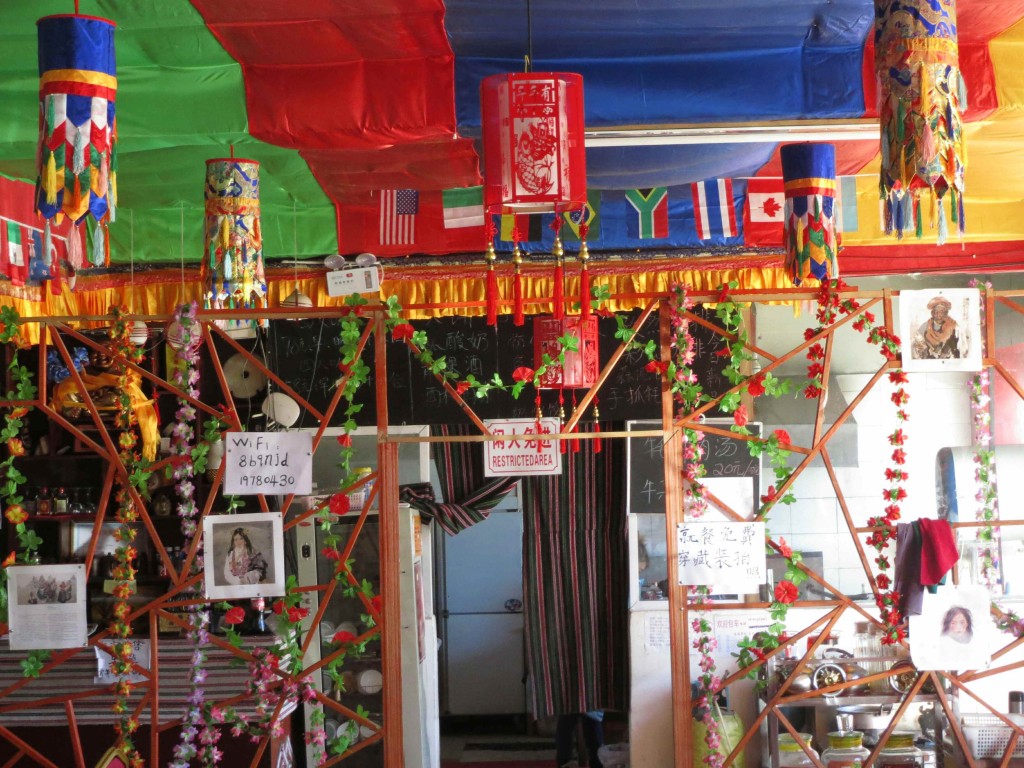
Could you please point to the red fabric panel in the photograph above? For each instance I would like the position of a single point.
(359, 229)
(918, 256)
(851, 157)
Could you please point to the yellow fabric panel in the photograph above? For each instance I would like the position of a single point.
(424, 291)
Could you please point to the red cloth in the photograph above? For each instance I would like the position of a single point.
(938, 549)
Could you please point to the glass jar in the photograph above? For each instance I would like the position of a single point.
(791, 754)
(845, 750)
(899, 751)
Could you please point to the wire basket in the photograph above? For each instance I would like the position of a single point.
(987, 736)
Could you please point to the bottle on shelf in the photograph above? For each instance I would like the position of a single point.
(44, 502)
(845, 750)
(59, 503)
(899, 751)
(791, 754)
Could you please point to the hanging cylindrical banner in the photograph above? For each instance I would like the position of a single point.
(582, 366)
(534, 157)
(921, 97)
(77, 153)
(809, 176)
(232, 268)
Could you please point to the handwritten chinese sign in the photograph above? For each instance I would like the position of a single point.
(522, 453)
(714, 553)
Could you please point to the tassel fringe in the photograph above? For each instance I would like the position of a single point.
(492, 296)
(558, 295)
(518, 317)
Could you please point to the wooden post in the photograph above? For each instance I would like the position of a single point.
(390, 571)
(678, 612)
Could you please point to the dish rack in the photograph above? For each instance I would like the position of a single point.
(987, 736)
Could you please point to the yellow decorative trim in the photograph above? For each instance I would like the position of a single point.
(78, 76)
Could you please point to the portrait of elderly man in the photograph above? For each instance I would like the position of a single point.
(938, 338)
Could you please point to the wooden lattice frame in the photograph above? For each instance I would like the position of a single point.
(386, 491)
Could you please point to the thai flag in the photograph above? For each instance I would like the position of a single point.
(713, 209)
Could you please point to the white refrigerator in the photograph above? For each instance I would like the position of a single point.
(361, 677)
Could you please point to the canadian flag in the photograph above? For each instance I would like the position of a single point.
(763, 213)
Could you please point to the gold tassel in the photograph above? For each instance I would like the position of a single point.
(50, 180)
(225, 235)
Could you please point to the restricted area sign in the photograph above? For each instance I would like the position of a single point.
(522, 453)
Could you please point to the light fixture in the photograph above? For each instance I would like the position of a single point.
(139, 333)
(297, 299)
(280, 408)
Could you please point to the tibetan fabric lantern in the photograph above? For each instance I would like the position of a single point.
(232, 268)
(809, 178)
(921, 97)
(581, 367)
(77, 153)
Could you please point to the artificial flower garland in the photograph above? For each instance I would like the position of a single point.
(136, 475)
(831, 306)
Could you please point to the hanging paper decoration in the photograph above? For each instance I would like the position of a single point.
(232, 268)
(921, 97)
(78, 134)
(809, 177)
(582, 365)
(534, 156)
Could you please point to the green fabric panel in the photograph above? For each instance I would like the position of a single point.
(165, 133)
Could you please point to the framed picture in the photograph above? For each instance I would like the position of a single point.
(244, 555)
(941, 329)
(953, 630)
(46, 606)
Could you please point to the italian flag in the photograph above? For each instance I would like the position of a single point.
(463, 207)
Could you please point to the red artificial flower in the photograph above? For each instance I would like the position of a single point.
(786, 591)
(755, 386)
(869, 317)
(297, 613)
(815, 371)
(784, 549)
(376, 603)
(897, 438)
(810, 333)
(343, 637)
(811, 391)
(522, 373)
(782, 436)
(345, 440)
(461, 387)
(17, 413)
(331, 553)
(899, 456)
(892, 512)
(723, 294)
(15, 447)
(898, 377)
(740, 416)
(278, 607)
(769, 497)
(402, 331)
(16, 514)
(656, 366)
(9, 560)
(882, 581)
(724, 352)
(339, 504)
(235, 616)
(899, 397)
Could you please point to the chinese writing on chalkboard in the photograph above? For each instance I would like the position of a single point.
(721, 553)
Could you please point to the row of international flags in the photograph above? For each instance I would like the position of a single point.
(708, 212)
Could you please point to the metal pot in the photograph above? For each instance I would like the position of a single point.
(869, 719)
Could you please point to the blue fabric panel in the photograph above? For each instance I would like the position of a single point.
(615, 233)
(667, 166)
(79, 108)
(808, 161)
(76, 42)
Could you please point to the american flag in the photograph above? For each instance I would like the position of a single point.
(398, 209)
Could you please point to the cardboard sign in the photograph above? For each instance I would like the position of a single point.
(522, 454)
(272, 463)
(721, 553)
(343, 282)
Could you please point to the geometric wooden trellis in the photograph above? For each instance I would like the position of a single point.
(18, 696)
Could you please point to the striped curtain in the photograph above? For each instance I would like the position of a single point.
(574, 583)
(469, 495)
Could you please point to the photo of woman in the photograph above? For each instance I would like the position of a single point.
(957, 625)
(952, 632)
(243, 565)
(245, 555)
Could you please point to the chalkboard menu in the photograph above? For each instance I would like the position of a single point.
(723, 457)
(306, 354)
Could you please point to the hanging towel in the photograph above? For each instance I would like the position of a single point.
(907, 568)
(938, 550)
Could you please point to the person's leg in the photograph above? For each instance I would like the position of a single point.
(565, 736)
(593, 735)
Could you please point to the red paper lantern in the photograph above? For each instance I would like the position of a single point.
(534, 159)
(581, 367)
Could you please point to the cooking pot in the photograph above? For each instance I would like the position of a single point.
(869, 719)
(837, 667)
